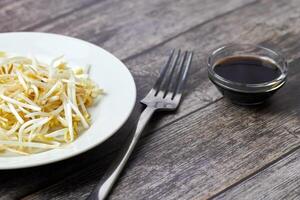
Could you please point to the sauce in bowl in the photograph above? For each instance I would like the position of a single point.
(247, 79)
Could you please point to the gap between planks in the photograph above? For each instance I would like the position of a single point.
(255, 173)
(139, 54)
(43, 23)
(87, 6)
(186, 31)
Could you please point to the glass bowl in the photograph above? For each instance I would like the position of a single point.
(247, 93)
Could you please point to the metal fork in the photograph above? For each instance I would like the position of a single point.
(165, 95)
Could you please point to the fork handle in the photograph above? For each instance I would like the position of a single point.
(103, 188)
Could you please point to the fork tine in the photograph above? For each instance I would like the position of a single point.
(184, 68)
(169, 75)
(177, 73)
(163, 72)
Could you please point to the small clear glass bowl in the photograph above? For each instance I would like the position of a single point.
(242, 93)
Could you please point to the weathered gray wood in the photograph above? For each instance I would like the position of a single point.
(275, 29)
(254, 147)
(27, 14)
(201, 154)
(279, 181)
(128, 27)
(21, 176)
(259, 24)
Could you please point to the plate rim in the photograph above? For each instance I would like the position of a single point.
(113, 132)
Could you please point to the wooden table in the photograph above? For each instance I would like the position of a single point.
(209, 148)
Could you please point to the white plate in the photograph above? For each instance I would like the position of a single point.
(109, 72)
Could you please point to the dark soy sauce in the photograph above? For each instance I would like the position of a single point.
(247, 70)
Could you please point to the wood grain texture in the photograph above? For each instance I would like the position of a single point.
(267, 22)
(126, 28)
(43, 177)
(26, 14)
(202, 154)
(258, 26)
(280, 181)
(245, 145)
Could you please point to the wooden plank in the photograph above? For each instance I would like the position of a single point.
(258, 26)
(27, 14)
(67, 167)
(128, 28)
(202, 154)
(279, 181)
(201, 39)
